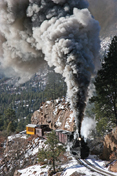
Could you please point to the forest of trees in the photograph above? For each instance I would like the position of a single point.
(25, 103)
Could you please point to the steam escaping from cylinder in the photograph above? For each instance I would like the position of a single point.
(61, 33)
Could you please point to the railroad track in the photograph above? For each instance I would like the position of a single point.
(94, 168)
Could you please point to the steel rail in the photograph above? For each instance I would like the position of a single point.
(94, 168)
(101, 169)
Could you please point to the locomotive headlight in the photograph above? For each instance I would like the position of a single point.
(79, 139)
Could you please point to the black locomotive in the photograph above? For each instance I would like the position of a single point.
(80, 148)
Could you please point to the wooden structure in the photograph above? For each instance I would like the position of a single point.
(42, 129)
(31, 129)
(37, 129)
(64, 136)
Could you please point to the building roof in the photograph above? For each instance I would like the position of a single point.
(32, 125)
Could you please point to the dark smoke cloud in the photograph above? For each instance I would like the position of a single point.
(61, 33)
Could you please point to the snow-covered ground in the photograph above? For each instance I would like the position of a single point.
(35, 170)
(69, 168)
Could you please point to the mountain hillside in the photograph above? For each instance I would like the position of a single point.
(20, 150)
(105, 11)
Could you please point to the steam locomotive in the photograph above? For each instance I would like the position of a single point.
(79, 146)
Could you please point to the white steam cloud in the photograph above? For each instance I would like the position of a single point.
(88, 125)
(60, 32)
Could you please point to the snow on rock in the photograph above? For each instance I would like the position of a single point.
(48, 102)
(19, 135)
(58, 123)
(55, 111)
(57, 114)
(69, 121)
(20, 152)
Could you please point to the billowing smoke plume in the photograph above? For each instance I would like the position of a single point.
(60, 32)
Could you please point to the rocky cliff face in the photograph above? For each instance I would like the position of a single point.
(20, 152)
(57, 114)
(110, 145)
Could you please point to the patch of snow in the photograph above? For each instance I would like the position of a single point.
(69, 120)
(19, 135)
(61, 107)
(67, 125)
(48, 102)
(33, 149)
(32, 125)
(35, 170)
(55, 111)
(58, 123)
(80, 169)
(71, 117)
(22, 132)
(57, 100)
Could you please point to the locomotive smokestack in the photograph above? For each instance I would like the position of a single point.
(61, 33)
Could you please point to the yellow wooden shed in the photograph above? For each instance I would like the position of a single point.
(31, 129)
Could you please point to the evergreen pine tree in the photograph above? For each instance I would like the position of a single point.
(10, 127)
(52, 150)
(106, 89)
(1, 122)
(10, 118)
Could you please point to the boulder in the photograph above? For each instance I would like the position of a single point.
(96, 146)
(110, 146)
(113, 167)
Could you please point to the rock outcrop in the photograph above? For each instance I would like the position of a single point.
(110, 145)
(113, 167)
(96, 146)
(57, 114)
(20, 152)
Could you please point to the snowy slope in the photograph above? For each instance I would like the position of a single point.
(69, 168)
